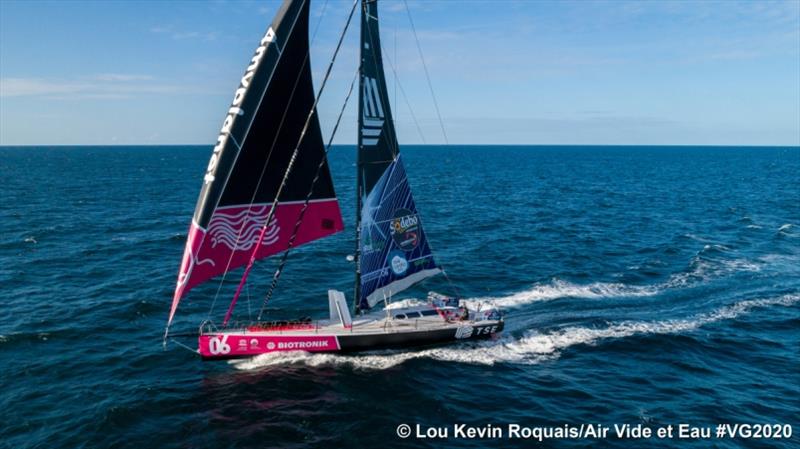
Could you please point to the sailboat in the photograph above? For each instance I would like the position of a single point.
(268, 189)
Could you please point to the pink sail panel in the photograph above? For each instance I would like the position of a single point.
(233, 231)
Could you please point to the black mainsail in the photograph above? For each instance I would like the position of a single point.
(252, 153)
(393, 253)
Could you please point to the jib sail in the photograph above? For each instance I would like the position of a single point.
(259, 134)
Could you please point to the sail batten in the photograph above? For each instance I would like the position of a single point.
(393, 251)
(253, 152)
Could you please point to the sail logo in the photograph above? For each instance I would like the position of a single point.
(239, 228)
(464, 332)
(398, 263)
(291, 345)
(235, 109)
(404, 228)
(373, 116)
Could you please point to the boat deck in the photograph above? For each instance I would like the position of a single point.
(421, 325)
(366, 325)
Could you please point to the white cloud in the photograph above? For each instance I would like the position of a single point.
(106, 86)
(20, 87)
(122, 77)
(171, 31)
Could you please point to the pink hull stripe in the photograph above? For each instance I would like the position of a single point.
(246, 345)
(232, 233)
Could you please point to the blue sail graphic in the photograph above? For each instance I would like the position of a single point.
(394, 250)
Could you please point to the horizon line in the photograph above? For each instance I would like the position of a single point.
(122, 145)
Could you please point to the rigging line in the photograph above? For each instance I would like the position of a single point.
(247, 131)
(395, 78)
(272, 147)
(290, 166)
(249, 310)
(300, 217)
(266, 163)
(452, 285)
(405, 97)
(196, 351)
(316, 28)
(427, 76)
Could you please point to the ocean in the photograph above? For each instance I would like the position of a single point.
(640, 285)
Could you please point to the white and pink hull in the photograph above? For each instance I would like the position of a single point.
(243, 344)
(362, 336)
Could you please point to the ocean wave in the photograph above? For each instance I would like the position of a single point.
(701, 269)
(787, 230)
(28, 337)
(531, 348)
(553, 342)
(558, 288)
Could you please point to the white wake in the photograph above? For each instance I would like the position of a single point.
(701, 270)
(531, 348)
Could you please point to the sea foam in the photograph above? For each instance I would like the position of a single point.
(701, 270)
(531, 348)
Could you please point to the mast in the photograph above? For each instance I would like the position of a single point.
(357, 255)
(359, 150)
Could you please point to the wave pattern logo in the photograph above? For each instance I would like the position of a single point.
(373, 113)
(464, 332)
(238, 227)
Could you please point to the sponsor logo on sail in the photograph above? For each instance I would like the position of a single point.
(404, 228)
(235, 109)
(239, 228)
(398, 263)
(373, 116)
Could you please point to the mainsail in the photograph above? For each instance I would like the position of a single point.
(252, 153)
(393, 253)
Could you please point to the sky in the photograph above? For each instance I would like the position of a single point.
(502, 72)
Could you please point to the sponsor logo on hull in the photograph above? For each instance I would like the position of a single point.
(478, 331)
(241, 345)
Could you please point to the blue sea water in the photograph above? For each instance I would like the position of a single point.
(641, 285)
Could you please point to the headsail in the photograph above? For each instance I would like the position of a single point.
(393, 251)
(251, 155)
